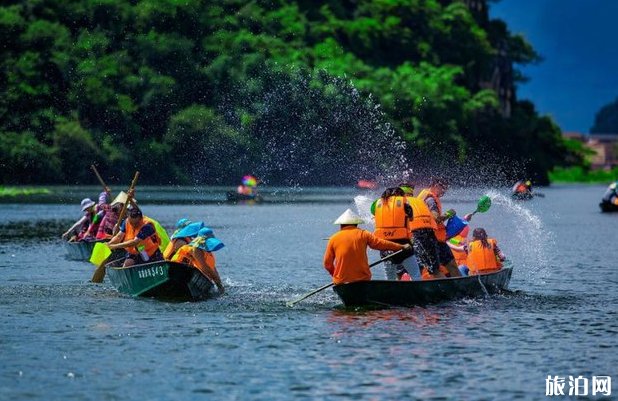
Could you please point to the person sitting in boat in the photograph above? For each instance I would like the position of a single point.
(186, 231)
(81, 226)
(484, 256)
(393, 214)
(248, 187)
(431, 196)
(345, 257)
(459, 247)
(522, 190)
(110, 218)
(611, 195)
(198, 253)
(138, 235)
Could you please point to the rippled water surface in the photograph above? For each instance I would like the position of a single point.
(64, 338)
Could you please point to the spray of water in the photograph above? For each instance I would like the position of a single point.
(531, 241)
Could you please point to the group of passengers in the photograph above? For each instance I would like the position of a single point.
(411, 234)
(140, 236)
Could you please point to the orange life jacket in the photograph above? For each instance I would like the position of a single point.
(185, 255)
(426, 276)
(461, 257)
(422, 215)
(481, 259)
(391, 220)
(150, 244)
(440, 227)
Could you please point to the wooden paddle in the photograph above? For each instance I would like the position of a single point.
(105, 187)
(297, 300)
(99, 273)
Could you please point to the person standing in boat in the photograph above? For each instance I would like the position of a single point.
(345, 257)
(393, 214)
(198, 253)
(431, 196)
(484, 256)
(423, 229)
(138, 235)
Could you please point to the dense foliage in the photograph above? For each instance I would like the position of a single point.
(307, 92)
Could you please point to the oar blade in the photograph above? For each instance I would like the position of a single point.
(100, 252)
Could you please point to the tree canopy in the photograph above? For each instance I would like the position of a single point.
(297, 92)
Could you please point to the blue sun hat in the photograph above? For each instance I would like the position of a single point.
(190, 230)
(206, 241)
(454, 226)
(182, 223)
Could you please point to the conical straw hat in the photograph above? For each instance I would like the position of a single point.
(122, 198)
(349, 217)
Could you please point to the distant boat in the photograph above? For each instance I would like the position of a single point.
(366, 184)
(410, 293)
(607, 207)
(163, 280)
(233, 196)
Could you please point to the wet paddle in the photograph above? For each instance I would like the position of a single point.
(99, 273)
(322, 288)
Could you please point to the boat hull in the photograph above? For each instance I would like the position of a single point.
(79, 250)
(233, 196)
(162, 280)
(607, 207)
(410, 293)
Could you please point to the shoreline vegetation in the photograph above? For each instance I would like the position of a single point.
(580, 175)
(199, 92)
(20, 191)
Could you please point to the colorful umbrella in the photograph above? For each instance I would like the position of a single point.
(249, 181)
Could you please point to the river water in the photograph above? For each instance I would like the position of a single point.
(64, 338)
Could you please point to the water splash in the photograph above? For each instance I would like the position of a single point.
(530, 240)
(363, 207)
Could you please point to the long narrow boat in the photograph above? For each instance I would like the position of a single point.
(233, 196)
(608, 207)
(164, 280)
(409, 293)
(79, 250)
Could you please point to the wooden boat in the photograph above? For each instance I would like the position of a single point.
(79, 250)
(608, 207)
(409, 293)
(234, 196)
(162, 280)
(522, 195)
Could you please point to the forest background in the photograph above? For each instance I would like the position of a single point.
(295, 92)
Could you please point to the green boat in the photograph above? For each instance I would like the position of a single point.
(163, 280)
(79, 250)
(410, 293)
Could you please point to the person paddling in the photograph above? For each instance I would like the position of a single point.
(138, 235)
(611, 195)
(185, 232)
(345, 257)
(198, 253)
(431, 196)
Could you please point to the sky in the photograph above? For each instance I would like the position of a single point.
(578, 40)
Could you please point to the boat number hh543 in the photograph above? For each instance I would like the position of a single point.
(153, 271)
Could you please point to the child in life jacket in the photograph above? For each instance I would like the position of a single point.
(484, 256)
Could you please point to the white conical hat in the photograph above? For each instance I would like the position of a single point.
(122, 198)
(349, 217)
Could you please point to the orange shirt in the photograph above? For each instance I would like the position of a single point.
(346, 254)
